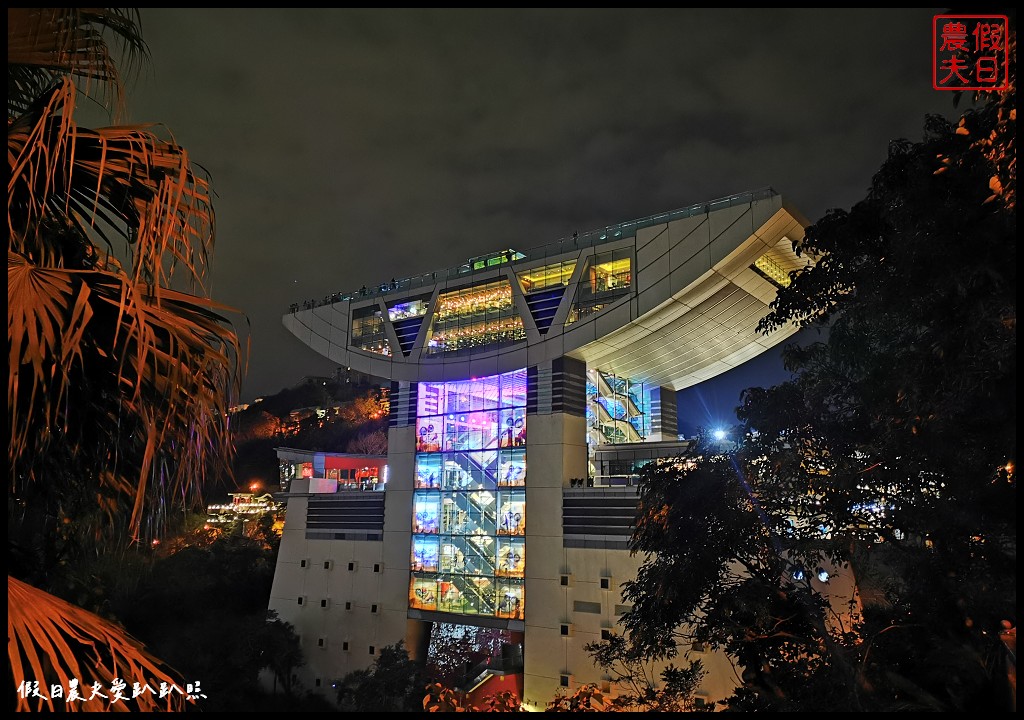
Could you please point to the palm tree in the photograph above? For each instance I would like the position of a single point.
(122, 367)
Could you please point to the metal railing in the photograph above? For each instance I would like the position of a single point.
(577, 241)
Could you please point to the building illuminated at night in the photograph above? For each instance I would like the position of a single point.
(242, 507)
(527, 388)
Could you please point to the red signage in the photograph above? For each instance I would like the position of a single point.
(969, 52)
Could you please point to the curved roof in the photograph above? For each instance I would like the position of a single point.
(699, 280)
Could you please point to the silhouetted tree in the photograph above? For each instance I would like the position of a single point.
(370, 443)
(891, 454)
(393, 684)
(121, 365)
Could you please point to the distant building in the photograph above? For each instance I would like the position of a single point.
(242, 507)
(331, 471)
(583, 343)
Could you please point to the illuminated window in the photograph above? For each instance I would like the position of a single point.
(469, 505)
(475, 316)
(617, 413)
(544, 288)
(494, 259)
(368, 330)
(545, 277)
(416, 307)
(407, 318)
(512, 513)
(510, 598)
(607, 277)
(770, 270)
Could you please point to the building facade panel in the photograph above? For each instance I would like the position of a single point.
(583, 343)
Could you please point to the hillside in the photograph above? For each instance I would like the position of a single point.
(320, 413)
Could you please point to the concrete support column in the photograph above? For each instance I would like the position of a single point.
(556, 450)
(664, 415)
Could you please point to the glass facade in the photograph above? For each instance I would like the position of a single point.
(543, 288)
(469, 501)
(368, 331)
(475, 316)
(556, 274)
(616, 409)
(413, 308)
(606, 278)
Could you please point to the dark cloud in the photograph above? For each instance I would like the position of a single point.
(348, 146)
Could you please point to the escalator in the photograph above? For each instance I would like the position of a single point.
(476, 594)
(623, 429)
(478, 463)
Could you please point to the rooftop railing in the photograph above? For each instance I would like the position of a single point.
(578, 241)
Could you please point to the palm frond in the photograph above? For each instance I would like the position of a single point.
(45, 45)
(53, 642)
(121, 365)
(124, 187)
(172, 359)
(47, 314)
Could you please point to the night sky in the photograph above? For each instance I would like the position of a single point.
(347, 147)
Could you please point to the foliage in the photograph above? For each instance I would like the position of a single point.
(280, 650)
(617, 658)
(199, 602)
(309, 393)
(354, 420)
(254, 425)
(638, 692)
(889, 458)
(587, 698)
(393, 683)
(58, 643)
(370, 443)
(719, 570)
(121, 365)
(440, 698)
(505, 701)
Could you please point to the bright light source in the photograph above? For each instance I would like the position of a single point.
(822, 575)
(720, 435)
